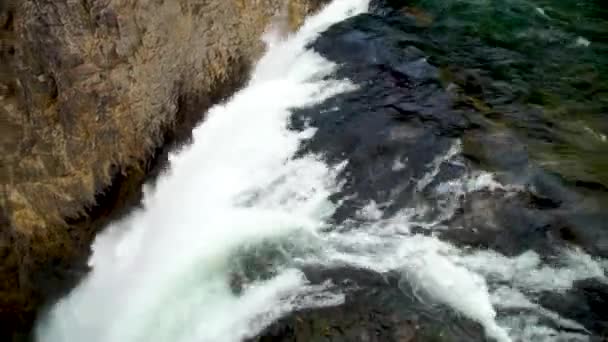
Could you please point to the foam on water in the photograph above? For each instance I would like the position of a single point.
(470, 281)
(163, 274)
(166, 273)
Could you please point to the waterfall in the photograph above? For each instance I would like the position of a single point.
(217, 250)
(163, 273)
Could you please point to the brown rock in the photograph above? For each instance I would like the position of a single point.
(89, 92)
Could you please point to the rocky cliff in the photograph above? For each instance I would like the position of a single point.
(90, 93)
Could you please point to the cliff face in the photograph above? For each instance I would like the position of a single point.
(89, 92)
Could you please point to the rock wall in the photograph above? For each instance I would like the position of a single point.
(90, 92)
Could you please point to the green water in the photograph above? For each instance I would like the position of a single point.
(537, 67)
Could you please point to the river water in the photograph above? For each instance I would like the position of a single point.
(377, 138)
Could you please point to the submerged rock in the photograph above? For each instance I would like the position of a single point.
(414, 103)
(91, 92)
(378, 308)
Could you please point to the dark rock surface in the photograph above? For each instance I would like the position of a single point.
(93, 90)
(377, 308)
(586, 302)
(414, 99)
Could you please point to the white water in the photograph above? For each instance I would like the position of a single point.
(460, 278)
(164, 273)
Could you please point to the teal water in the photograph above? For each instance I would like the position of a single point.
(456, 147)
(538, 66)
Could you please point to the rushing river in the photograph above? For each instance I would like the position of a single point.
(427, 144)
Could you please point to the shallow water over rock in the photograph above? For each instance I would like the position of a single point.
(378, 180)
(420, 91)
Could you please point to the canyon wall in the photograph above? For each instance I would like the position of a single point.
(91, 94)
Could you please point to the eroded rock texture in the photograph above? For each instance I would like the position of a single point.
(89, 92)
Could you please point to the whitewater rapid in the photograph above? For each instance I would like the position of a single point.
(174, 269)
(163, 273)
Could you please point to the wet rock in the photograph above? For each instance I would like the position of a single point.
(497, 221)
(415, 98)
(399, 115)
(498, 150)
(402, 114)
(92, 95)
(584, 229)
(586, 303)
(377, 308)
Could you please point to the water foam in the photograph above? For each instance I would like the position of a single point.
(476, 283)
(163, 274)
